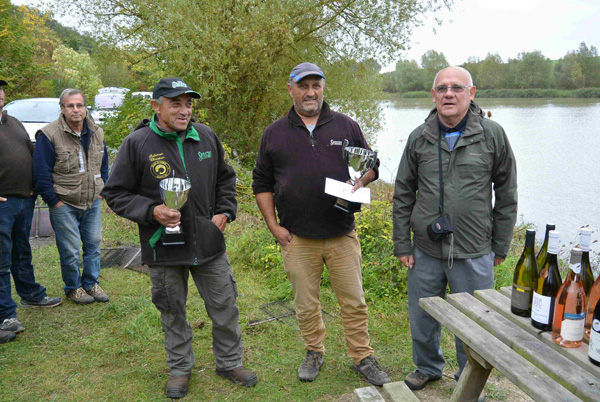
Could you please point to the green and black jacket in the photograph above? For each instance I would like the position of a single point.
(149, 155)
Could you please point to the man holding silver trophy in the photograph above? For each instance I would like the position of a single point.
(171, 178)
(298, 154)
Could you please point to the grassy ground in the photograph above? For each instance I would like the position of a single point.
(114, 351)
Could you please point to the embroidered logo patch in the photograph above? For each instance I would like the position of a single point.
(204, 155)
(335, 143)
(160, 169)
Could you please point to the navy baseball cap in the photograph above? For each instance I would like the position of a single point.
(172, 87)
(3, 83)
(305, 69)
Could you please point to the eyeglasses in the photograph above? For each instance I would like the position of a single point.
(72, 106)
(442, 89)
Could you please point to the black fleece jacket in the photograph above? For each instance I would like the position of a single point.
(16, 162)
(294, 166)
(132, 191)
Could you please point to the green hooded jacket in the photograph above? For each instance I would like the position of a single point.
(482, 161)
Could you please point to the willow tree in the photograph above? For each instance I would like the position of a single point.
(238, 53)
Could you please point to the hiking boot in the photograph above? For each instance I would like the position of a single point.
(177, 386)
(370, 369)
(79, 296)
(7, 336)
(45, 302)
(239, 375)
(417, 380)
(309, 369)
(12, 325)
(98, 294)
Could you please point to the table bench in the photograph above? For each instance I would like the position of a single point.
(495, 338)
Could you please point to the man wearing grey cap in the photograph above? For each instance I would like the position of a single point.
(171, 144)
(16, 212)
(297, 153)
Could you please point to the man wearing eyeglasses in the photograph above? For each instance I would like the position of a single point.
(70, 167)
(443, 194)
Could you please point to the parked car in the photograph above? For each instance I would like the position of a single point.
(142, 95)
(34, 113)
(107, 102)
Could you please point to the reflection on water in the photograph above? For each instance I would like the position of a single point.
(557, 146)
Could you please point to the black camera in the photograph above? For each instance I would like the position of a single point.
(439, 228)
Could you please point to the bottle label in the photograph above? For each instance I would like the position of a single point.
(576, 268)
(594, 346)
(572, 328)
(521, 296)
(540, 309)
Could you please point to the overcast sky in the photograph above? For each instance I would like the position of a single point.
(508, 27)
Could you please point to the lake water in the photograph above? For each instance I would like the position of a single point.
(557, 146)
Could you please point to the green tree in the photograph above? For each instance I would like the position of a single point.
(492, 72)
(473, 66)
(238, 54)
(432, 62)
(75, 70)
(408, 76)
(579, 68)
(529, 70)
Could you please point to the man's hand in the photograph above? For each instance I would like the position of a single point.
(358, 185)
(282, 235)
(2, 199)
(166, 216)
(498, 261)
(220, 220)
(59, 204)
(407, 260)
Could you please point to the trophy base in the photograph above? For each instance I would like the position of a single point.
(172, 238)
(347, 206)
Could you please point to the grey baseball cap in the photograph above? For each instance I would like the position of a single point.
(304, 70)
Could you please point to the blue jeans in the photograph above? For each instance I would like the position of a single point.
(76, 229)
(15, 255)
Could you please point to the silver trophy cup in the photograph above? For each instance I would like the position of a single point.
(359, 161)
(174, 193)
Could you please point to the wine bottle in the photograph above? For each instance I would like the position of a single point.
(525, 278)
(569, 310)
(548, 283)
(541, 257)
(594, 347)
(587, 277)
(592, 303)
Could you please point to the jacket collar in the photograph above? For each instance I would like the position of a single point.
(475, 115)
(325, 116)
(3, 117)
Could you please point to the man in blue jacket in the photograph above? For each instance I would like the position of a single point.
(171, 144)
(70, 167)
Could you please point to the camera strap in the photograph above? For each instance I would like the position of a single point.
(441, 206)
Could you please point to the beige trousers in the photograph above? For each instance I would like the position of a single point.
(303, 261)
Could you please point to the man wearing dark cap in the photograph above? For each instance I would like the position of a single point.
(16, 212)
(172, 145)
(70, 167)
(297, 153)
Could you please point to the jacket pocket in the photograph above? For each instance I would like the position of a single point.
(208, 239)
(66, 160)
(68, 188)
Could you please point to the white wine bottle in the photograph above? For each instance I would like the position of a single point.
(541, 257)
(525, 278)
(587, 277)
(548, 284)
(570, 308)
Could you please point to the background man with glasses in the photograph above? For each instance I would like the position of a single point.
(70, 165)
(476, 158)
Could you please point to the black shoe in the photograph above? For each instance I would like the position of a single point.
(45, 302)
(309, 369)
(12, 325)
(370, 369)
(240, 375)
(177, 386)
(7, 336)
(417, 380)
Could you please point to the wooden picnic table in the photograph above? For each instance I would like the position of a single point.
(496, 338)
